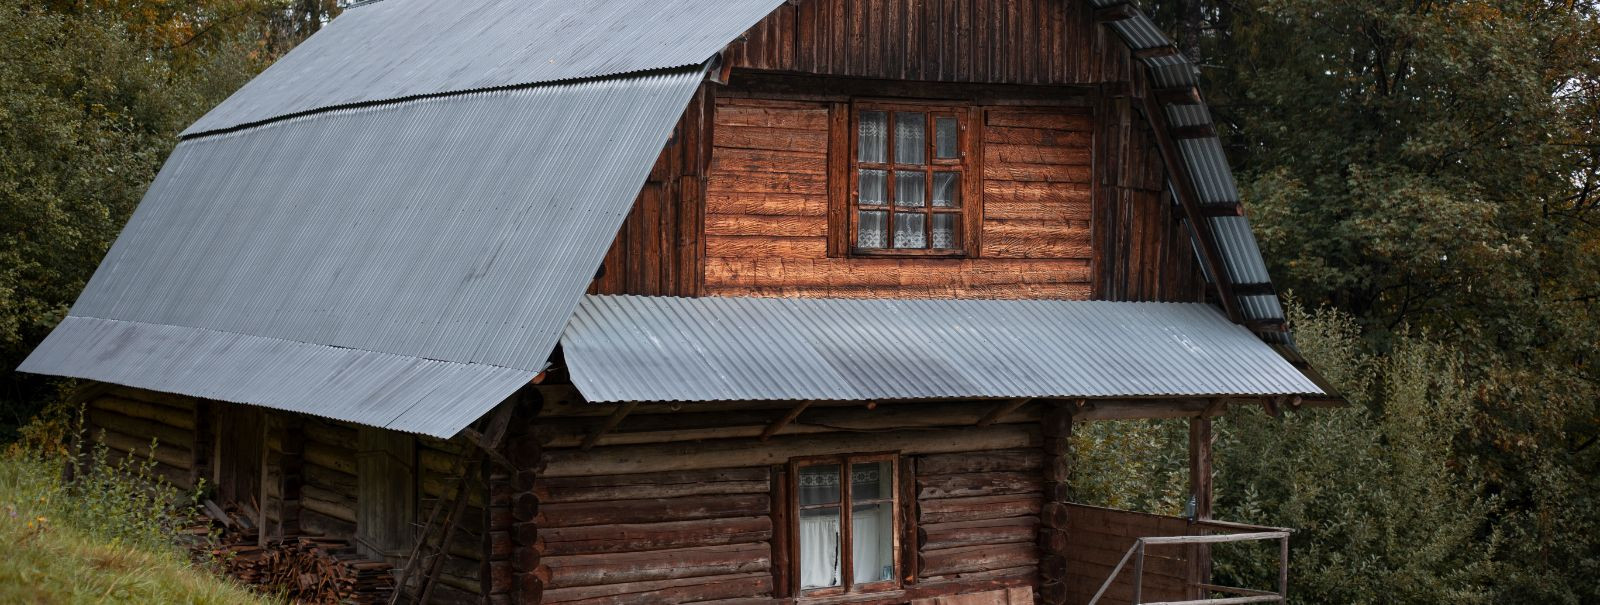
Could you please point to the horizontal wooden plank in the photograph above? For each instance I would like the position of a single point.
(766, 182)
(758, 225)
(637, 537)
(164, 414)
(977, 508)
(1036, 173)
(983, 557)
(931, 486)
(799, 115)
(768, 204)
(729, 246)
(1004, 153)
(1062, 118)
(934, 536)
(1036, 136)
(980, 462)
(780, 139)
(653, 510)
(614, 568)
(681, 590)
(798, 161)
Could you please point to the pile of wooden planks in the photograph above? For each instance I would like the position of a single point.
(305, 569)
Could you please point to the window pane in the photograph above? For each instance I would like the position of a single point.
(819, 547)
(872, 229)
(945, 234)
(910, 188)
(874, 188)
(871, 481)
(946, 139)
(908, 230)
(870, 139)
(819, 484)
(910, 138)
(872, 543)
(947, 189)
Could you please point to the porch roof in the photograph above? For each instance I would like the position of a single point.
(637, 348)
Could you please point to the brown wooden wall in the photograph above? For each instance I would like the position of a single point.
(768, 196)
(687, 506)
(1142, 251)
(657, 251)
(1100, 538)
(1010, 41)
(125, 421)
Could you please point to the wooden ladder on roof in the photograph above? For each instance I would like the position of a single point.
(432, 545)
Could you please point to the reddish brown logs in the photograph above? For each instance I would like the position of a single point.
(936, 536)
(613, 568)
(1055, 518)
(978, 508)
(976, 484)
(655, 510)
(749, 480)
(980, 462)
(980, 558)
(651, 536)
(681, 590)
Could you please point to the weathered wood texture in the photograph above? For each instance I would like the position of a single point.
(669, 521)
(1142, 249)
(1055, 428)
(657, 250)
(127, 421)
(1099, 539)
(768, 201)
(1021, 41)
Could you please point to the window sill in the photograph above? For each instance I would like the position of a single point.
(893, 253)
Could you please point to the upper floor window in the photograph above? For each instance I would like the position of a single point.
(845, 524)
(908, 178)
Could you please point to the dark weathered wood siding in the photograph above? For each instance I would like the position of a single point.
(1100, 538)
(1013, 41)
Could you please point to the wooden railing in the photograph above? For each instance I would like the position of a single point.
(1247, 533)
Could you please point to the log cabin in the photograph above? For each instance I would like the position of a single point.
(672, 301)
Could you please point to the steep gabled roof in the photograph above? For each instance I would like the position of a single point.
(393, 224)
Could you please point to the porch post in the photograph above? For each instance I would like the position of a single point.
(1053, 536)
(1200, 489)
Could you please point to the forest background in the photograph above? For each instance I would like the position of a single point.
(1424, 178)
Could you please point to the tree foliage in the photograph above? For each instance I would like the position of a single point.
(92, 96)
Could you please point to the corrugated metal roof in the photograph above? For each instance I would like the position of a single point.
(1206, 162)
(405, 48)
(461, 229)
(635, 348)
(376, 389)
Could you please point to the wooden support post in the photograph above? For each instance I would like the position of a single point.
(610, 423)
(1200, 437)
(777, 425)
(1001, 410)
(1056, 430)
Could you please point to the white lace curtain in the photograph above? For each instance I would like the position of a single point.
(870, 554)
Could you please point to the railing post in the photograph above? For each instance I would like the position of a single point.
(1138, 573)
(1283, 568)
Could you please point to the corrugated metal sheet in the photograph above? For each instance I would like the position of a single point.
(461, 229)
(634, 348)
(1206, 161)
(404, 48)
(376, 389)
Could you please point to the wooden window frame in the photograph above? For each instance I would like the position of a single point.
(846, 565)
(968, 130)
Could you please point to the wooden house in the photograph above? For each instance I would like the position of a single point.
(621, 302)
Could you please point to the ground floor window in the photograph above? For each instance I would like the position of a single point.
(846, 523)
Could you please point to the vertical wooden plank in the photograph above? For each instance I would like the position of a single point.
(783, 567)
(385, 492)
(1055, 519)
(1200, 487)
(908, 511)
(838, 188)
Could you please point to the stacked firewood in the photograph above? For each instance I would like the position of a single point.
(305, 569)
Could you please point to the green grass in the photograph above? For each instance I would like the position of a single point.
(105, 538)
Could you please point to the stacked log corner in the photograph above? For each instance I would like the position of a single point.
(1056, 430)
(517, 573)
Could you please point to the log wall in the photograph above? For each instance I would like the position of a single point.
(1101, 537)
(126, 421)
(690, 506)
(769, 196)
(1010, 41)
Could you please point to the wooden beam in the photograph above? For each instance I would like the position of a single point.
(1256, 289)
(611, 422)
(1200, 489)
(1115, 12)
(777, 425)
(1198, 131)
(1228, 209)
(1186, 95)
(1178, 172)
(1001, 410)
(1155, 52)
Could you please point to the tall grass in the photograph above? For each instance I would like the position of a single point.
(112, 534)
